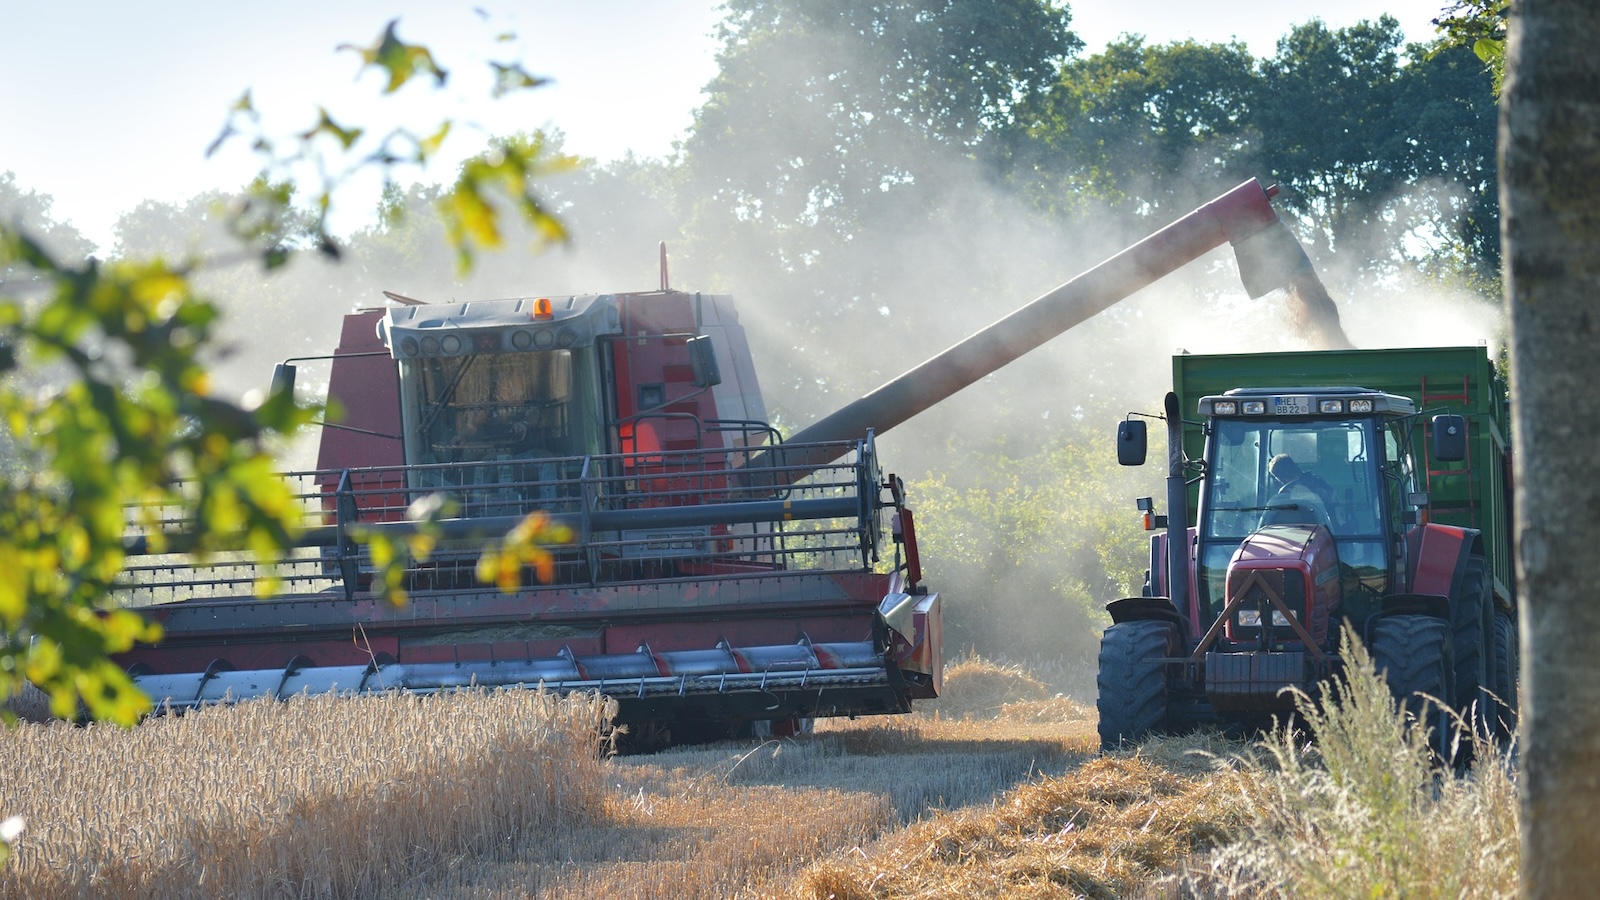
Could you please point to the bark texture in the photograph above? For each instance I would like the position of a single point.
(1550, 230)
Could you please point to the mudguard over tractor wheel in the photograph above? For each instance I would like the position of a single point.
(1472, 620)
(1414, 654)
(1503, 676)
(1133, 680)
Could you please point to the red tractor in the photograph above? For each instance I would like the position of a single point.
(1320, 503)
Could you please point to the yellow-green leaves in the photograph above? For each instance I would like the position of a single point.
(129, 422)
(391, 557)
(510, 77)
(504, 175)
(126, 423)
(397, 58)
(525, 545)
(1481, 25)
(338, 150)
(326, 125)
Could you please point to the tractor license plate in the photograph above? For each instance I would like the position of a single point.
(1291, 406)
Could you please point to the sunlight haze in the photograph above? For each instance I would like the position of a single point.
(108, 104)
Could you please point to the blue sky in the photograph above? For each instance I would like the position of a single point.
(104, 104)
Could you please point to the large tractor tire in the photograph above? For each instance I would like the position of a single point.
(1133, 681)
(1503, 680)
(1472, 621)
(1415, 655)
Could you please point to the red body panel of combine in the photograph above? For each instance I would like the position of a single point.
(709, 585)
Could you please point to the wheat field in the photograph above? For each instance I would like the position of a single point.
(996, 790)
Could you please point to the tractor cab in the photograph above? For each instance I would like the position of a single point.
(1281, 465)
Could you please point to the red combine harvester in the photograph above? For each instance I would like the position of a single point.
(722, 580)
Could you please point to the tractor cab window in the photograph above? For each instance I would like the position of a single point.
(1401, 476)
(500, 406)
(1269, 471)
(1288, 471)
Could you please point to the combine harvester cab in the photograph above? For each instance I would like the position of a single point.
(704, 593)
(721, 579)
(1319, 503)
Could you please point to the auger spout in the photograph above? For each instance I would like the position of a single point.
(1269, 257)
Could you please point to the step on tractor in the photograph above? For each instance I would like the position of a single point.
(721, 580)
(1366, 489)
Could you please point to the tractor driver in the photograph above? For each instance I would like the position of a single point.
(1302, 497)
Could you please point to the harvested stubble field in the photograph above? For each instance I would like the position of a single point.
(996, 791)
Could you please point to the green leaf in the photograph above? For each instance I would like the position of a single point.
(510, 77)
(326, 125)
(401, 60)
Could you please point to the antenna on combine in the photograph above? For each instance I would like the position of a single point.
(664, 287)
(404, 300)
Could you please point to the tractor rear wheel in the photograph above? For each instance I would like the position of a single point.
(1414, 654)
(1133, 680)
(1504, 678)
(1472, 620)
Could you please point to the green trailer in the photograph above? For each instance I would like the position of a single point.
(1309, 490)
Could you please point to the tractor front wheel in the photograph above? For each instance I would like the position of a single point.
(1133, 680)
(1414, 654)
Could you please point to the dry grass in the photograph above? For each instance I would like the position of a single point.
(997, 790)
(744, 820)
(314, 797)
(976, 687)
(1103, 829)
(1364, 812)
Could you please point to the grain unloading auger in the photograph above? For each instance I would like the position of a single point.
(720, 579)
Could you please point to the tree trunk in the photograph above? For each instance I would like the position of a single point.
(1550, 197)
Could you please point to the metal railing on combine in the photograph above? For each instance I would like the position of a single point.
(632, 517)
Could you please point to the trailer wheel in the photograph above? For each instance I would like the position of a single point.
(1472, 620)
(1503, 680)
(1414, 654)
(1133, 680)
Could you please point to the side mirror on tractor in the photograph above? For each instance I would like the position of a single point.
(1131, 442)
(1449, 438)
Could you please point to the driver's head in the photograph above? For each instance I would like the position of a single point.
(1283, 468)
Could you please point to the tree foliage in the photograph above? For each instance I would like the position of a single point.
(1380, 151)
(1137, 125)
(867, 90)
(1480, 26)
(1030, 551)
(131, 422)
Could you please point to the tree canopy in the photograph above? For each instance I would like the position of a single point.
(1386, 157)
